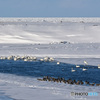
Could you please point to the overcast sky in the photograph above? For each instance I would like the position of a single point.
(49, 8)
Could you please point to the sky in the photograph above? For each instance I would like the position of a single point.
(49, 8)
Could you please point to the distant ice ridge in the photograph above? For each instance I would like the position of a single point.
(48, 19)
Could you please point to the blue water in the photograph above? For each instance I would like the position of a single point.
(4, 97)
(40, 69)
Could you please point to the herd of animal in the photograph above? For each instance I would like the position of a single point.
(26, 58)
(69, 81)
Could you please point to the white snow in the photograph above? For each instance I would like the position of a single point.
(46, 30)
(26, 88)
(19, 36)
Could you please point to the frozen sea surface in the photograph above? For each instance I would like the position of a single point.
(46, 30)
(44, 37)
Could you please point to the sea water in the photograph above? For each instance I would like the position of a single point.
(40, 69)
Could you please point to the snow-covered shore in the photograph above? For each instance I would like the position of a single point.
(26, 88)
(69, 53)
